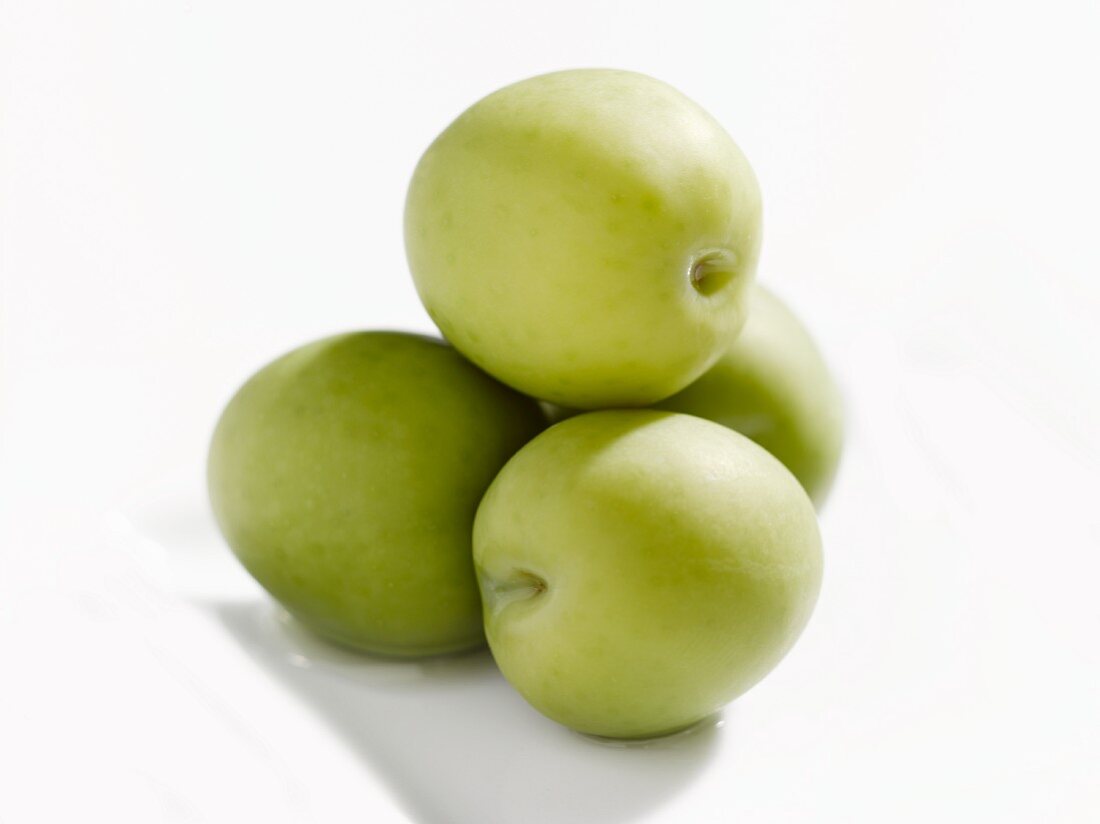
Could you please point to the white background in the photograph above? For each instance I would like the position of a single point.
(189, 189)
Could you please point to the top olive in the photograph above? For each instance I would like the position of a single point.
(587, 237)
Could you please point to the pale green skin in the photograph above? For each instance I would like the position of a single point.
(640, 569)
(773, 385)
(345, 476)
(553, 228)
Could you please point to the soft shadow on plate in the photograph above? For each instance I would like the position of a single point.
(454, 742)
